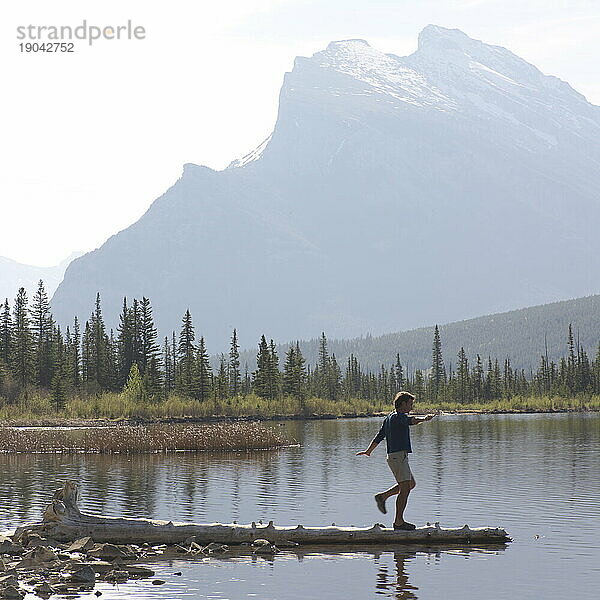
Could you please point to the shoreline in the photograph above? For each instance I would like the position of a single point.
(191, 420)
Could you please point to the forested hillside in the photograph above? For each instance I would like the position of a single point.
(521, 335)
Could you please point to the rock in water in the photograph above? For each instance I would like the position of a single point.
(86, 575)
(81, 545)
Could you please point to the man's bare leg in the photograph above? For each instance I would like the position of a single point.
(405, 488)
(381, 498)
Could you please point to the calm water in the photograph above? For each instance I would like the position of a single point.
(536, 475)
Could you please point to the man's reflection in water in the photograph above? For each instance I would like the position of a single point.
(396, 584)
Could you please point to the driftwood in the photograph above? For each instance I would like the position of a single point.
(63, 521)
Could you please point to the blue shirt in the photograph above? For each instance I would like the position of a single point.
(396, 432)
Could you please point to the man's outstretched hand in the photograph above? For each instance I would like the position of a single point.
(363, 453)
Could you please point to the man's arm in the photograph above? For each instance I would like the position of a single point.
(378, 438)
(370, 449)
(417, 420)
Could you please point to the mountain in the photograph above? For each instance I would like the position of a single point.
(14, 275)
(522, 335)
(394, 192)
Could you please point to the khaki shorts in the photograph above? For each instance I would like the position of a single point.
(398, 462)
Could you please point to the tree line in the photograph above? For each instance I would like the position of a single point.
(36, 354)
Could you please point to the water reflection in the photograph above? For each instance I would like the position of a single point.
(396, 585)
(535, 475)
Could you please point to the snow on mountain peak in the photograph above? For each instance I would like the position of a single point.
(434, 36)
(381, 74)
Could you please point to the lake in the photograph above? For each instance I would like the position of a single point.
(535, 475)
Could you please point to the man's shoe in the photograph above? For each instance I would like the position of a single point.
(380, 501)
(405, 526)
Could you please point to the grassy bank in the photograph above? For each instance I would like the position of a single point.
(119, 407)
(517, 404)
(38, 409)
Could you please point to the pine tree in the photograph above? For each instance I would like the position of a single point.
(169, 380)
(235, 378)
(125, 344)
(60, 380)
(322, 370)
(477, 380)
(136, 333)
(463, 382)
(596, 371)
(222, 379)
(294, 373)
(41, 326)
(274, 374)
(353, 378)
(438, 370)
(418, 387)
(571, 364)
(204, 373)
(6, 335)
(22, 343)
(86, 357)
(186, 357)
(496, 381)
(99, 374)
(261, 377)
(76, 356)
(399, 372)
(508, 383)
(112, 371)
(149, 350)
(247, 381)
(334, 379)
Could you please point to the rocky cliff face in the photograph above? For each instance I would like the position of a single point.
(393, 192)
(14, 275)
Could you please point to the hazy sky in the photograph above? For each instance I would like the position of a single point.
(89, 139)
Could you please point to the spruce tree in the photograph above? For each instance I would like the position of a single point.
(204, 381)
(274, 374)
(167, 360)
(222, 379)
(235, 378)
(438, 370)
(86, 357)
(76, 356)
(125, 344)
(22, 343)
(6, 334)
(60, 379)
(294, 373)
(99, 376)
(246, 381)
(463, 383)
(149, 350)
(136, 333)
(322, 370)
(261, 377)
(186, 357)
(571, 364)
(41, 327)
(418, 387)
(596, 372)
(399, 372)
(334, 379)
(477, 380)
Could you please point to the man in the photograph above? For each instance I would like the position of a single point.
(395, 430)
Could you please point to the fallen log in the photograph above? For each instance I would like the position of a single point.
(63, 521)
